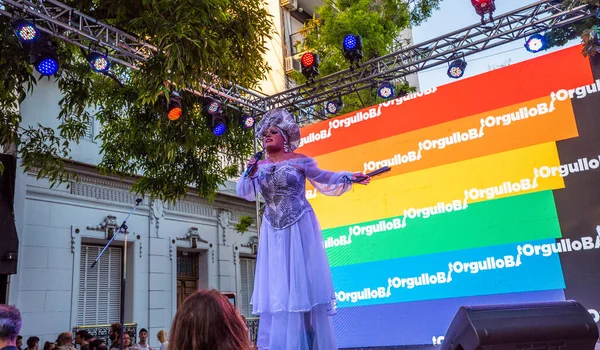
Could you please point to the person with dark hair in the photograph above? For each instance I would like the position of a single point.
(81, 338)
(48, 345)
(207, 320)
(115, 335)
(143, 345)
(97, 344)
(33, 343)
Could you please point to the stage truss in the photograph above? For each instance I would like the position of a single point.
(72, 26)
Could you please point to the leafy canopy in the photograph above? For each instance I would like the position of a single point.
(195, 38)
(378, 22)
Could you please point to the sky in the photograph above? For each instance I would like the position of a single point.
(457, 14)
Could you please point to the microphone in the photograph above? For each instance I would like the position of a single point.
(257, 157)
(379, 171)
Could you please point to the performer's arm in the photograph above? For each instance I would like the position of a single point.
(247, 186)
(328, 182)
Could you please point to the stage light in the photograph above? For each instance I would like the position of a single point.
(174, 110)
(98, 62)
(352, 48)
(386, 90)
(248, 121)
(335, 106)
(219, 124)
(213, 107)
(310, 65)
(45, 58)
(457, 68)
(25, 31)
(536, 43)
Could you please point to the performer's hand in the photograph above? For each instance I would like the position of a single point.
(357, 176)
(250, 162)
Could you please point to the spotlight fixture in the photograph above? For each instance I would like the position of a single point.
(310, 65)
(335, 106)
(213, 107)
(352, 48)
(386, 90)
(45, 58)
(536, 43)
(456, 69)
(98, 61)
(219, 124)
(25, 31)
(174, 110)
(248, 121)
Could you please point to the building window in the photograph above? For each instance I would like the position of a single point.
(100, 287)
(187, 275)
(247, 267)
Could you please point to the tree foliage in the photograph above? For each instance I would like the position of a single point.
(378, 22)
(196, 39)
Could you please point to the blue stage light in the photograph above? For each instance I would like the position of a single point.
(25, 31)
(47, 66)
(219, 124)
(98, 62)
(248, 121)
(219, 129)
(350, 42)
(213, 107)
(352, 48)
(334, 107)
(386, 90)
(536, 43)
(457, 69)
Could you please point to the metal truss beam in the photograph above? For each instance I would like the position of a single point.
(70, 25)
(531, 19)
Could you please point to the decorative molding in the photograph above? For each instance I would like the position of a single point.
(103, 193)
(193, 237)
(252, 244)
(224, 222)
(109, 226)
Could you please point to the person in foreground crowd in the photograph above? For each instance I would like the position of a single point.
(208, 321)
(33, 343)
(293, 289)
(162, 339)
(143, 343)
(10, 326)
(48, 345)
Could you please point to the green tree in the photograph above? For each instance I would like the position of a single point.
(195, 38)
(378, 22)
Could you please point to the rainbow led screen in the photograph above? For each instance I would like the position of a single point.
(493, 198)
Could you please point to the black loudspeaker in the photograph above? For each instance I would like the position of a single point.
(562, 325)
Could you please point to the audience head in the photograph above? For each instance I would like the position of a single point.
(143, 334)
(10, 325)
(115, 332)
(81, 337)
(49, 345)
(33, 342)
(97, 344)
(162, 336)
(207, 320)
(19, 343)
(126, 340)
(65, 338)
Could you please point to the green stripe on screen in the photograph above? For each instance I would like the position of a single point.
(500, 221)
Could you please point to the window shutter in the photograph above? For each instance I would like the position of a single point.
(100, 287)
(247, 267)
